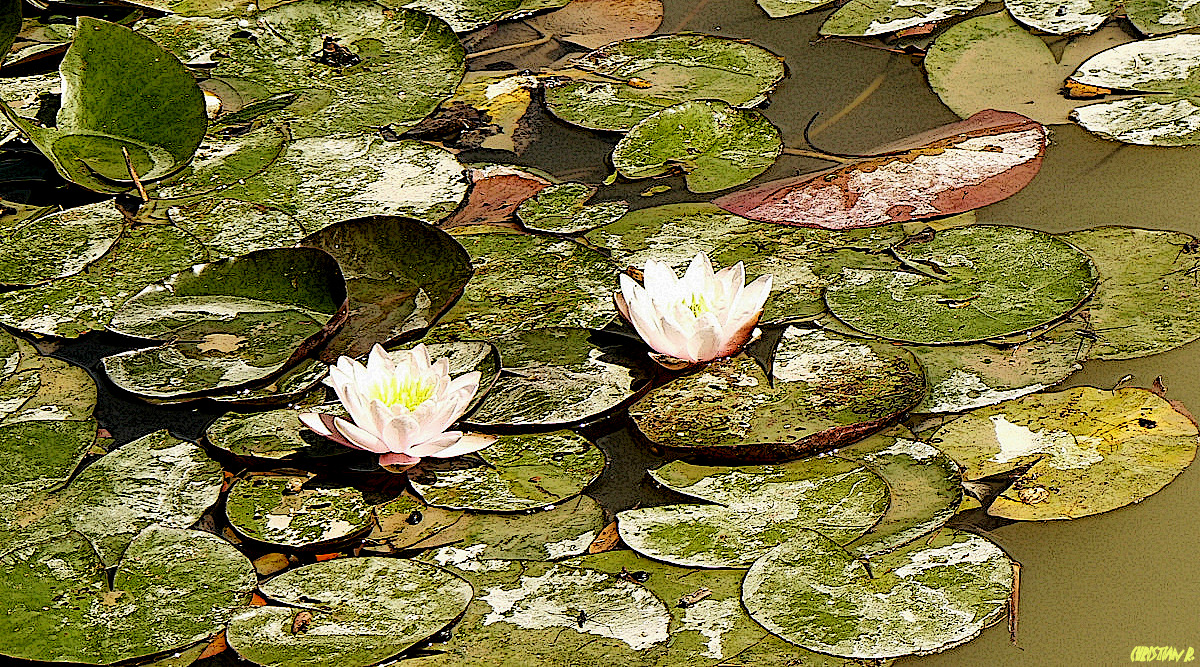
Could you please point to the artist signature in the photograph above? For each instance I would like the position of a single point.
(1162, 654)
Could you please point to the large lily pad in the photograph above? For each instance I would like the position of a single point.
(826, 391)
(274, 434)
(228, 323)
(563, 209)
(594, 23)
(566, 530)
(801, 261)
(990, 62)
(1168, 115)
(467, 15)
(778, 9)
(557, 377)
(624, 82)
(154, 479)
(222, 161)
(294, 510)
(951, 169)
(1079, 452)
(1147, 302)
(1149, 17)
(121, 92)
(401, 275)
(924, 598)
(57, 245)
(523, 281)
(171, 589)
(924, 489)
(517, 472)
(966, 284)
(388, 66)
(354, 621)
(404, 521)
(229, 227)
(760, 507)
(86, 302)
(716, 145)
(868, 18)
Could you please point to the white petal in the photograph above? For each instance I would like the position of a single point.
(360, 438)
(436, 445)
(471, 442)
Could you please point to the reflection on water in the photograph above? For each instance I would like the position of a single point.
(1091, 589)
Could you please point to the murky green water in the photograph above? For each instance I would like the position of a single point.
(1091, 589)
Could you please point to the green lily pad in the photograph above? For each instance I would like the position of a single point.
(565, 530)
(10, 25)
(120, 91)
(760, 508)
(778, 9)
(389, 66)
(57, 245)
(525, 282)
(401, 276)
(1168, 115)
(716, 145)
(1059, 19)
(324, 180)
(966, 284)
(868, 18)
(924, 488)
(622, 83)
(275, 434)
(990, 62)
(293, 511)
(1147, 302)
(171, 588)
(530, 613)
(715, 629)
(86, 302)
(924, 598)
(291, 387)
(517, 472)
(46, 423)
(826, 391)
(154, 479)
(563, 209)
(1080, 452)
(223, 161)
(800, 260)
(229, 227)
(228, 323)
(963, 377)
(404, 521)
(354, 621)
(467, 15)
(556, 377)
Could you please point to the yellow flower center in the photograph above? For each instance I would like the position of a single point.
(697, 304)
(408, 392)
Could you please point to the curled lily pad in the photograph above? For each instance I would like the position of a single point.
(565, 530)
(468, 15)
(801, 261)
(963, 377)
(924, 489)
(352, 620)
(171, 588)
(622, 83)
(826, 391)
(562, 209)
(295, 511)
(1146, 302)
(1077, 452)
(868, 18)
(560, 376)
(517, 472)
(966, 284)
(951, 169)
(384, 67)
(401, 275)
(228, 323)
(154, 479)
(716, 145)
(57, 245)
(759, 508)
(121, 92)
(926, 597)
(523, 281)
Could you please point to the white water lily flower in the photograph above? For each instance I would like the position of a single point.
(700, 317)
(400, 406)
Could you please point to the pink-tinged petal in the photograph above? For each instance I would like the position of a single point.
(738, 338)
(398, 459)
(468, 382)
(323, 424)
(359, 438)
(622, 305)
(380, 360)
(435, 445)
(470, 442)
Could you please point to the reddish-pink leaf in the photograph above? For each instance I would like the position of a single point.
(947, 170)
(496, 192)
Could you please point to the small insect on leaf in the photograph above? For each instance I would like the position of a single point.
(637, 576)
(301, 622)
(692, 598)
(335, 54)
(1082, 91)
(414, 518)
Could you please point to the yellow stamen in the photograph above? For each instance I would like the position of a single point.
(697, 304)
(408, 392)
